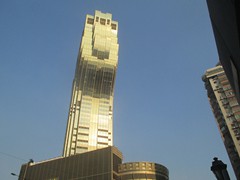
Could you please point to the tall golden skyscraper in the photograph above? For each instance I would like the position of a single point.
(89, 133)
(90, 119)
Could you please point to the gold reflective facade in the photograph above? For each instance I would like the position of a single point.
(90, 119)
(100, 164)
(143, 171)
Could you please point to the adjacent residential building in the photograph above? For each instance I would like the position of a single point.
(90, 119)
(226, 110)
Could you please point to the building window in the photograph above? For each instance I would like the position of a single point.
(90, 20)
(114, 26)
(102, 21)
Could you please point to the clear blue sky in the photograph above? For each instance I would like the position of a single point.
(161, 111)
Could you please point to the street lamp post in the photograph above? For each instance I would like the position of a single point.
(219, 169)
(29, 162)
(25, 172)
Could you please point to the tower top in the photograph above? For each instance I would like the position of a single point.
(103, 15)
(100, 18)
